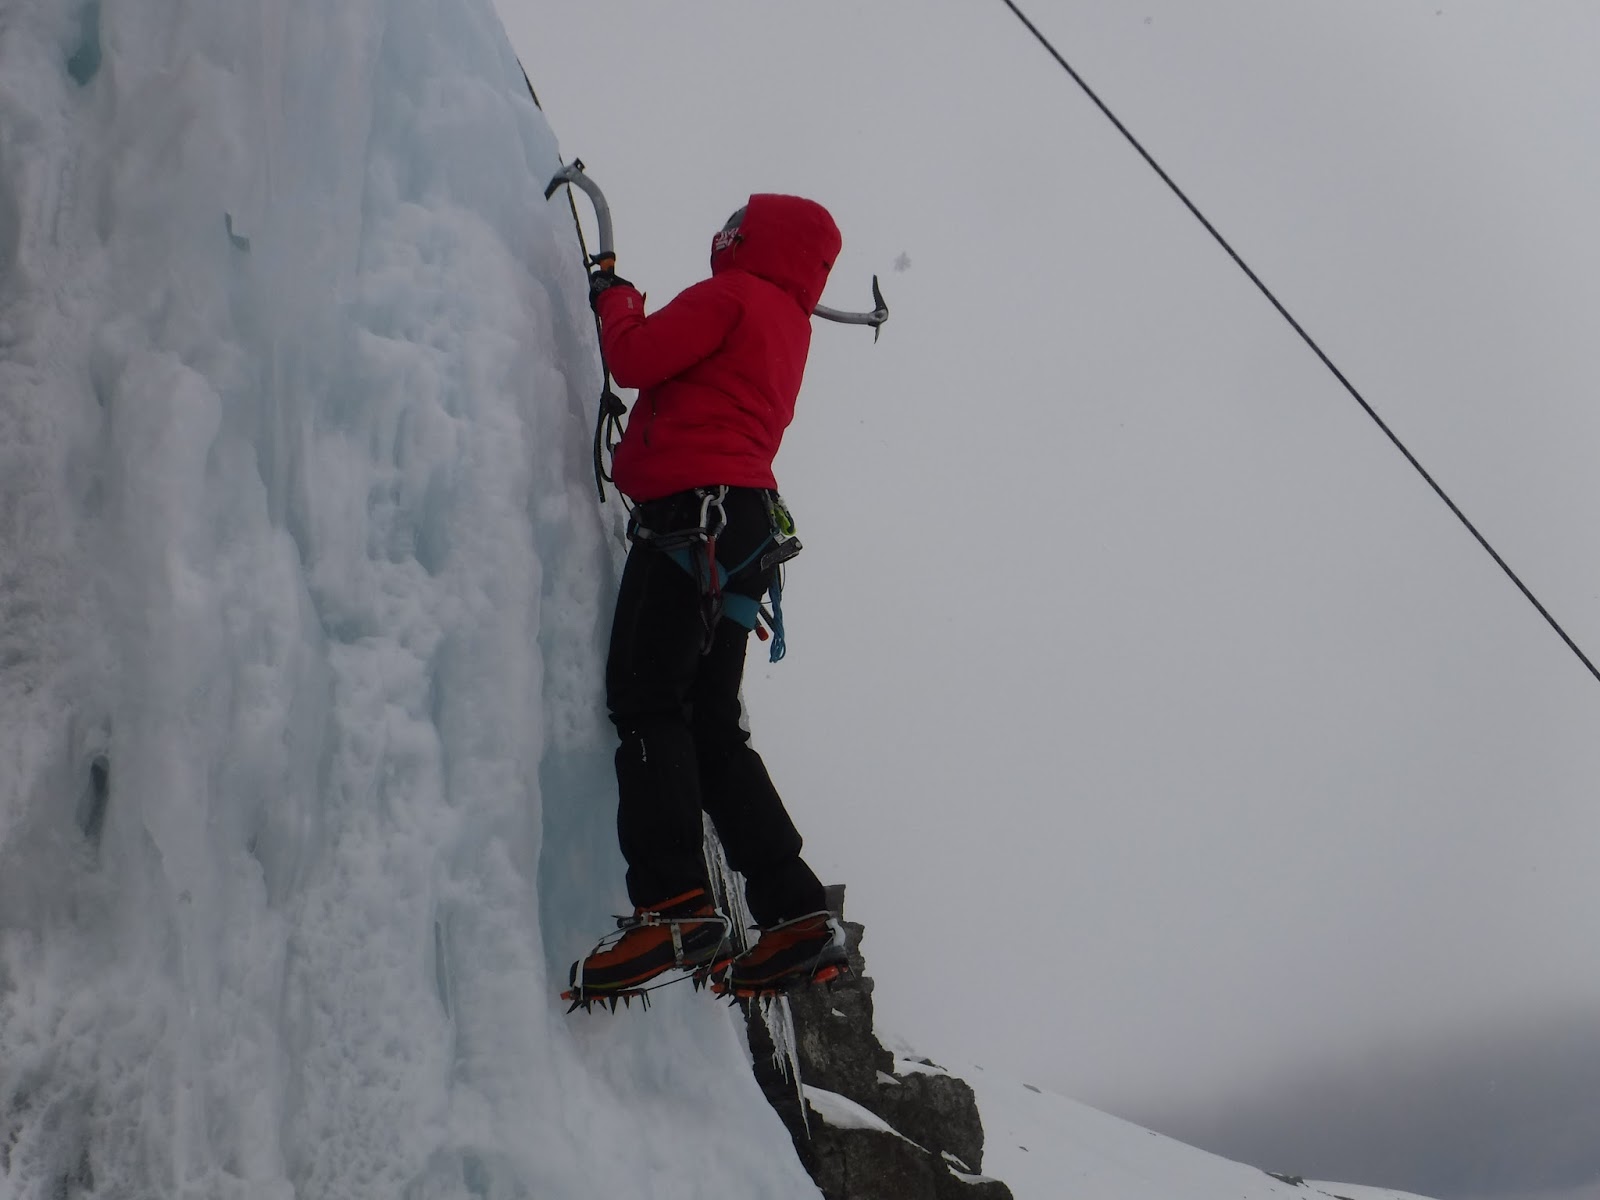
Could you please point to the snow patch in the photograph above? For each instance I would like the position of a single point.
(1044, 1145)
(844, 1113)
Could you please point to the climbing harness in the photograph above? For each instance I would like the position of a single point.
(694, 549)
(785, 545)
(608, 425)
(1304, 336)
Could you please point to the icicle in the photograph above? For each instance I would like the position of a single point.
(727, 889)
(777, 1016)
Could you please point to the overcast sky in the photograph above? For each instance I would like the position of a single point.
(1179, 748)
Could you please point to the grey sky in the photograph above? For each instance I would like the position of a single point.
(1169, 733)
(1499, 1112)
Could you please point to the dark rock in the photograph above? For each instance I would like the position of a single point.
(863, 1162)
(952, 1187)
(935, 1111)
(933, 1114)
(833, 1029)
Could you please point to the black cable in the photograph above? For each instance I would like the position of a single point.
(1306, 337)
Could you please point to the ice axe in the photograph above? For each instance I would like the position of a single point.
(606, 256)
(875, 318)
(608, 425)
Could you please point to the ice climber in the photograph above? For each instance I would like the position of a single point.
(718, 370)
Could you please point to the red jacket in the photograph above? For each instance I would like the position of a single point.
(719, 368)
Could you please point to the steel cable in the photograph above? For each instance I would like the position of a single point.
(1306, 337)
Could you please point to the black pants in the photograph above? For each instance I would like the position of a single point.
(677, 713)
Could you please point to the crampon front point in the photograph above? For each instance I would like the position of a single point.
(588, 998)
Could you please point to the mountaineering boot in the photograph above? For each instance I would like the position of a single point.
(808, 949)
(684, 932)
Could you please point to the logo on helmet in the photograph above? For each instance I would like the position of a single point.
(729, 233)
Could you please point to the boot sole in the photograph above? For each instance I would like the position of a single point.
(825, 970)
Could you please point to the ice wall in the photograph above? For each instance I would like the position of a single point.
(304, 778)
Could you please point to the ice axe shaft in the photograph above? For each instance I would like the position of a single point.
(606, 256)
(875, 318)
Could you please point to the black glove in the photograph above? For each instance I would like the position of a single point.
(602, 279)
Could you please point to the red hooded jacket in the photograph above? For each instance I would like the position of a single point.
(719, 368)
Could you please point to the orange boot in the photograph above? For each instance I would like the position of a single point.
(808, 949)
(685, 932)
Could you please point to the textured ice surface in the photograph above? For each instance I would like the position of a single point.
(305, 796)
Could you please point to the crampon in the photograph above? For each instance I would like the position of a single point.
(588, 998)
(699, 964)
(792, 954)
(828, 973)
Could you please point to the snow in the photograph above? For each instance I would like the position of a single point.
(298, 539)
(917, 1066)
(959, 1169)
(843, 1113)
(1045, 1146)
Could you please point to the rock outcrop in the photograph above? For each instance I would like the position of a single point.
(868, 1131)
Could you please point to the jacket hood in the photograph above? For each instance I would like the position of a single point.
(786, 240)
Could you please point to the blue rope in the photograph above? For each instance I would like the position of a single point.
(741, 610)
(779, 646)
